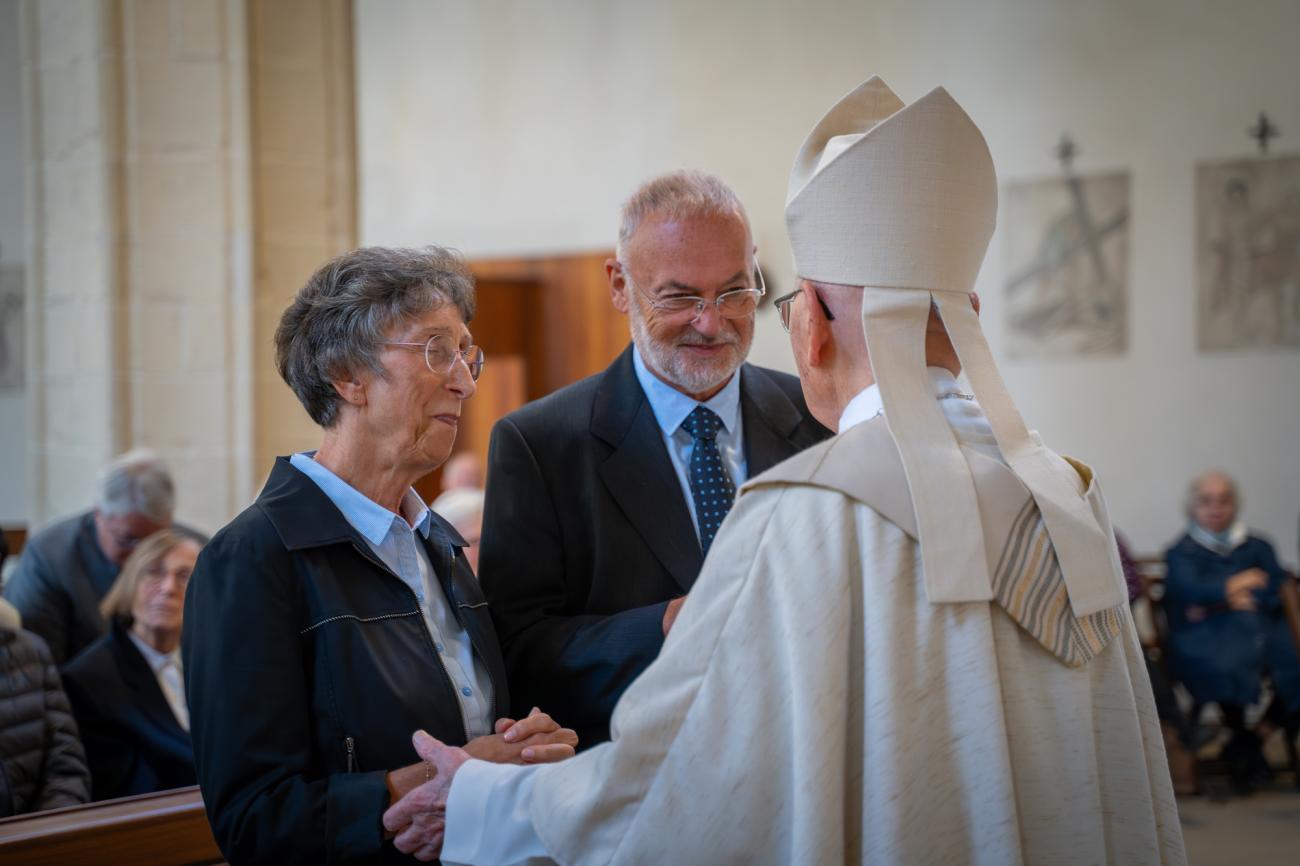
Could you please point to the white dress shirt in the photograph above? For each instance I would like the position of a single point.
(167, 670)
(488, 820)
(392, 538)
(671, 407)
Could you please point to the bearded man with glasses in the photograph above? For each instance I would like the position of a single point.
(603, 498)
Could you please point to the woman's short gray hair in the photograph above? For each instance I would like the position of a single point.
(137, 482)
(337, 321)
(679, 195)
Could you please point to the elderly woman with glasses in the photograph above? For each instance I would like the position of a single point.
(128, 688)
(338, 614)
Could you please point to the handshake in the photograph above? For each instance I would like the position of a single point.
(417, 818)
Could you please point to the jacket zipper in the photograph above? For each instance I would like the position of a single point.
(424, 629)
(352, 753)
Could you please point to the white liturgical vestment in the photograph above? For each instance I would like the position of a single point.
(811, 706)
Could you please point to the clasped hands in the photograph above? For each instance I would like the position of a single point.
(417, 818)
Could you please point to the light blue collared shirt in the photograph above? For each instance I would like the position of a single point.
(392, 538)
(671, 408)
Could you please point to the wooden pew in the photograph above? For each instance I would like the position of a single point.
(164, 829)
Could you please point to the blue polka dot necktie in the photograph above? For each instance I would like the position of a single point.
(711, 485)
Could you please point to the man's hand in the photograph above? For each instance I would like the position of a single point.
(670, 613)
(420, 818)
(1240, 588)
(537, 739)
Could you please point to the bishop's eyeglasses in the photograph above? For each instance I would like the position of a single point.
(440, 355)
(687, 309)
(784, 302)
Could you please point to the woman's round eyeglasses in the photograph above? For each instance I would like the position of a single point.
(440, 355)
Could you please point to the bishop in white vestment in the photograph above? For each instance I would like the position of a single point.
(909, 644)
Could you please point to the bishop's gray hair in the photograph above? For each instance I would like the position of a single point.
(679, 195)
(137, 482)
(338, 319)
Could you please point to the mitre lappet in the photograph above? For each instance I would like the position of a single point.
(902, 200)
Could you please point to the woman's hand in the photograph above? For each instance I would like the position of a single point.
(537, 739)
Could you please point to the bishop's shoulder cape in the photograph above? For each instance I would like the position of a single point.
(810, 706)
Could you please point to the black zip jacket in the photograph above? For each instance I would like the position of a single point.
(308, 666)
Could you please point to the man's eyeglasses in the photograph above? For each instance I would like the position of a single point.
(440, 355)
(784, 303)
(687, 309)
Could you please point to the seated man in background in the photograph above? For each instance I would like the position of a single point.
(42, 765)
(128, 688)
(1226, 624)
(66, 568)
(603, 498)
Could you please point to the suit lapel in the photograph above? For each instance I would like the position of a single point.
(639, 474)
(770, 421)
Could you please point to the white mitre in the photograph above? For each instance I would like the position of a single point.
(902, 201)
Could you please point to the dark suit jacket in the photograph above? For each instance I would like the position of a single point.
(587, 535)
(61, 577)
(134, 745)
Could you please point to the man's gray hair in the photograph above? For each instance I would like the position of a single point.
(137, 482)
(1194, 489)
(338, 320)
(679, 195)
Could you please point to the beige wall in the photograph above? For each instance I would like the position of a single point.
(506, 127)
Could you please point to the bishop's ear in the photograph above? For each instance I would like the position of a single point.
(818, 330)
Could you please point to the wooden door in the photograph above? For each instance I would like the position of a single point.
(543, 323)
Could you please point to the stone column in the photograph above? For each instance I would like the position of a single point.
(72, 105)
(304, 170)
(148, 168)
(190, 162)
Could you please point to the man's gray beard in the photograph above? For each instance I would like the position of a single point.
(691, 379)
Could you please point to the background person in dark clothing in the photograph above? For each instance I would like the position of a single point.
(42, 765)
(128, 688)
(1227, 629)
(66, 568)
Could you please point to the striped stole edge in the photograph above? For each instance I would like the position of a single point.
(1029, 586)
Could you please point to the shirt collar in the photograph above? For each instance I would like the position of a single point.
(368, 517)
(672, 406)
(867, 403)
(155, 659)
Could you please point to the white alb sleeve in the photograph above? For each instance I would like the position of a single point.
(488, 821)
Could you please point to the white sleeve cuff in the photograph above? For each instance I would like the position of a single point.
(488, 822)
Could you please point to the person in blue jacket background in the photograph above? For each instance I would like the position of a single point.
(1227, 628)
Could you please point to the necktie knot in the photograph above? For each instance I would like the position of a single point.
(702, 423)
